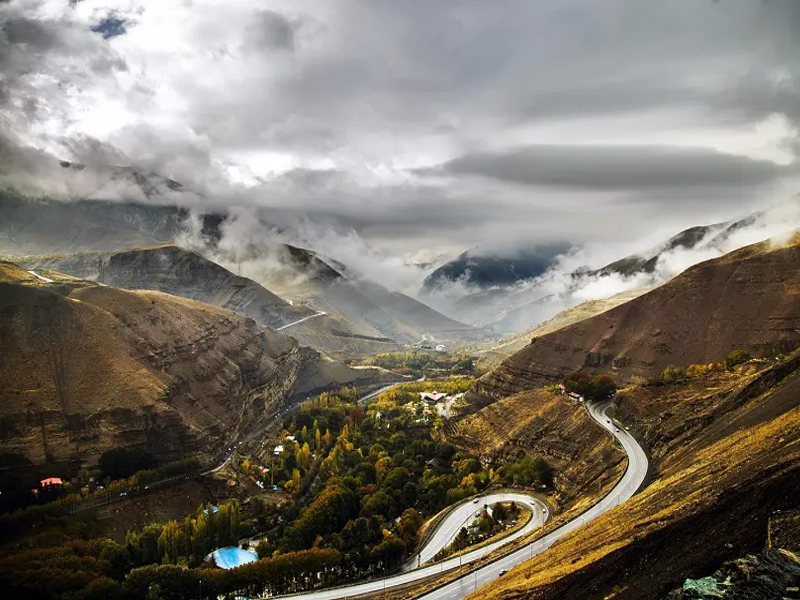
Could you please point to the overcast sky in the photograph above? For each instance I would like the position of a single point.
(424, 126)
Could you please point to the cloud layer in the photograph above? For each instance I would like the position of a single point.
(419, 127)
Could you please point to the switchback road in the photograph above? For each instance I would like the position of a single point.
(626, 487)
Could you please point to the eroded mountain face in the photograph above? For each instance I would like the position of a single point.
(747, 299)
(92, 367)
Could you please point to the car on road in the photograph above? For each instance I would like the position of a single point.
(475, 501)
(608, 421)
(477, 513)
(503, 572)
(616, 429)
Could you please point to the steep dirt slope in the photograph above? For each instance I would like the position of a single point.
(585, 458)
(88, 367)
(174, 270)
(584, 310)
(726, 457)
(168, 268)
(749, 299)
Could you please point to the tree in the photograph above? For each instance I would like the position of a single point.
(408, 527)
(598, 387)
(116, 559)
(171, 542)
(737, 357)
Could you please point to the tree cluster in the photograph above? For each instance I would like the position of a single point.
(598, 387)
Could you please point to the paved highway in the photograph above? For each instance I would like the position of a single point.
(465, 513)
(319, 314)
(466, 584)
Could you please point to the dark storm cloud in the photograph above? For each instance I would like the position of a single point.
(273, 31)
(384, 86)
(622, 168)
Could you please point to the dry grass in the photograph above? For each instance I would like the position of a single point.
(714, 490)
(584, 457)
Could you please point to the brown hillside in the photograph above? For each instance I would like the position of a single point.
(87, 368)
(174, 270)
(749, 299)
(726, 457)
(584, 457)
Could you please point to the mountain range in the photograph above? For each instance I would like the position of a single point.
(89, 367)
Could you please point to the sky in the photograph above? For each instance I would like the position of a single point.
(417, 129)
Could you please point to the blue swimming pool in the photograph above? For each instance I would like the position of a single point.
(231, 557)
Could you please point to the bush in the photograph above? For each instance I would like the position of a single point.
(672, 374)
(737, 357)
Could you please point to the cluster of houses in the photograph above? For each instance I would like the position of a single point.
(563, 390)
(279, 448)
(439, 403)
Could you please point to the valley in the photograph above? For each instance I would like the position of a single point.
(216, 367)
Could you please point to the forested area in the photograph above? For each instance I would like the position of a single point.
(362, 479)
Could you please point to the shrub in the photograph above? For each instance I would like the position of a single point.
(737, 357)
(672, 374)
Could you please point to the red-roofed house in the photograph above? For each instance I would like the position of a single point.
(51, 481)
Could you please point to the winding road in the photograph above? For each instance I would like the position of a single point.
(293, 323)
(625, 488)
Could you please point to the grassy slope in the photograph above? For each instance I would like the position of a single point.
(728, 454)
(746, 299)
(584, 457)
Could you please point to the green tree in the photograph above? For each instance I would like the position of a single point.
(737, 357)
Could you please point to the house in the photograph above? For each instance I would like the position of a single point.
(432, 396)
(433, 463)
(290, 438)
(50, 481)
(575, 396)
(441, 348)
(562, 388)
(278, 450)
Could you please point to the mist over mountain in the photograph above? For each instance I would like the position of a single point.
(485, 270)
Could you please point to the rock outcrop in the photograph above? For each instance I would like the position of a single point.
(765, 576)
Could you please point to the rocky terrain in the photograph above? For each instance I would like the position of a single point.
(168, 268)
(764, 576)
(746, 299)
(364, 304)
(590, 308)
(90, 367)
(78, 237)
